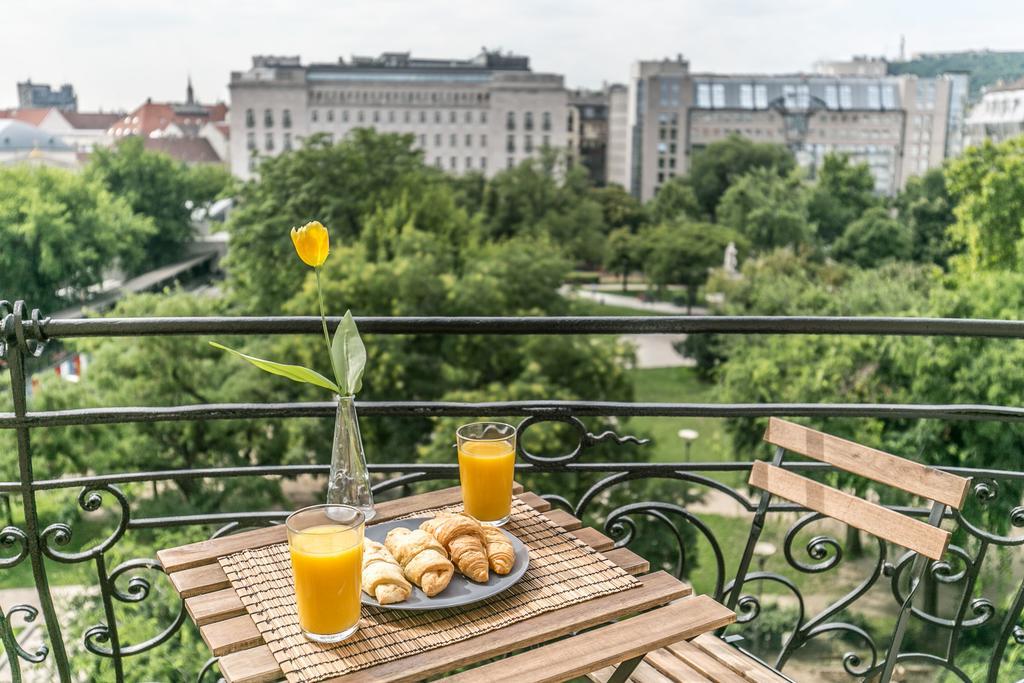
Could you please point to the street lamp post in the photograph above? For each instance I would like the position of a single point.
(688, 436)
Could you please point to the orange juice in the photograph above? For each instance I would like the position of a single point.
(327, 562)
(485, 472)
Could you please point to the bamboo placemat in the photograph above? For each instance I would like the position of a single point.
(563, 571)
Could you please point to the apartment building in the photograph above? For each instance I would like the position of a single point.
(998, 116)
(899, 125)
(482, 114)
(587, 132)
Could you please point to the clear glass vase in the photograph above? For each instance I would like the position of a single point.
(350, 480)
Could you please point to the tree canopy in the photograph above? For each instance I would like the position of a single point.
(715, 167)
(768, 209)
(841, 193)
(874, 238)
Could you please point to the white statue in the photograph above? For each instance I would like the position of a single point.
(730, 259)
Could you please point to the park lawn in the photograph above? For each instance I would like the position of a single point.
(678, 385)
(587, 307)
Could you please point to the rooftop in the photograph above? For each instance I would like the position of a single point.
(20, 136)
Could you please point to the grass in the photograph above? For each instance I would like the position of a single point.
(678, 385)
(587, 307)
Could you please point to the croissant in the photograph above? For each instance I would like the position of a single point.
(382, 575)
(500, 553)
(462, 537)
(422, 558)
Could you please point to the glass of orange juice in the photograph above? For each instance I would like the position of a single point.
(326, 544)
(487, 458)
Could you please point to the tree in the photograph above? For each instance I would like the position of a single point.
(926, 206)
(841, 194)
(61, 232)
(987, 183)
(675, 200)
(154, 185)
(714, 167)
(338, 184)
(873, 238)
(768, 209)
(620, 208)
(621, 253)
(682, 253)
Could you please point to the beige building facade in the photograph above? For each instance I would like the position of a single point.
(898, 125)
(483, 114)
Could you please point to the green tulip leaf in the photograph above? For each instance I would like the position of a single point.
(296, 373)
(349, 355)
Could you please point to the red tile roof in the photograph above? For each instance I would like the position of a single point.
(189, 150)
(154, 116)
(91, 120)
(32, 117)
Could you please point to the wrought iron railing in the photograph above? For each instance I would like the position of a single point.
(676, 521)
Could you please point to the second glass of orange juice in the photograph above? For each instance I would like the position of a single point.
(326, 545)
(487, 458)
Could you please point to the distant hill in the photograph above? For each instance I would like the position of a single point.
(985, 67)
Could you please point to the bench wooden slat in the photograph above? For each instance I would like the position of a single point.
(205, 552)
(611, 644)
(563, 519)
(658, 588)
(644, 673)
(210, 607)
(906, 531)
(701, 661)
(231, 635)
(594, 538)
(676, 670)
(199, 580)
(535, 501)
(255, 665)
(872, 463)
(628, 560)
(750, 669)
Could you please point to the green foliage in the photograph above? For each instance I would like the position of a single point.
(715, 167)
(60, 232)
(622, 253)
(987, 185)
(620, 208)
(841, 194)
(683, 253)
(156, 186)
(874, 238)
(767, 209)
(676, 200)
(984, 67)
(927, 208)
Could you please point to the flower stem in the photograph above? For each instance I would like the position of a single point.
(327, 337)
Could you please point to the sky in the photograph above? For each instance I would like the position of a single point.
(119, 52)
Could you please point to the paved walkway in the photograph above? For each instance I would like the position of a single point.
(611, 299)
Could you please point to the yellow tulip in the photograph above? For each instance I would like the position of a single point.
(312, 243)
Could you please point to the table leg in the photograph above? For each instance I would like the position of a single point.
(623, 671)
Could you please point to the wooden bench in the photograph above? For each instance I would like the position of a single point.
(708, 658)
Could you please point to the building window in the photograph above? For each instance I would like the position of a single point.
(314, 115)
(888, 97)
(360, 116)
(454, 163)
(250, 118)
(437, 115)
(252, 164)
(469, 163)
(269, 143)
(746, 96)
(528, 121)
(250, 140)
(718, 95)
(510, 144)
(874, 98)
(547, 141)
(453, 140)
(391, 116)
(528, 143)
(510, 121)
(846, 97)
(437, 139)
(423, 115)
(483, 139)
(437, 162)
(761, 96)
(286, 118)
(268, 118)
(704, 95)
(545, 121)
(344, 115)
(803, 97)
(483, 163)
(483, 117)
(408, 116)
(831, 97)
(423, 140)
(287, 142)
(469, 118)
(453, 117)
(469, 139)
(510, 163)
(376, 116)
(330, 115)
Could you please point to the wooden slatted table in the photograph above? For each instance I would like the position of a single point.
(623, 627)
